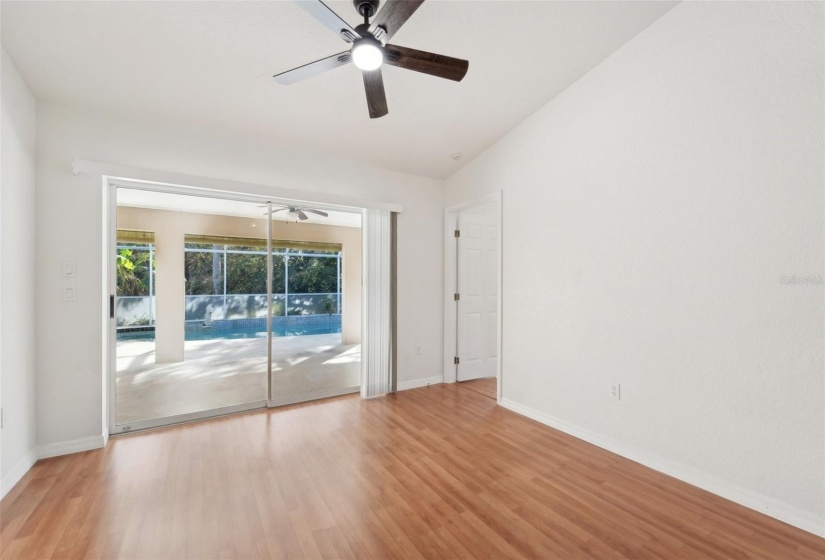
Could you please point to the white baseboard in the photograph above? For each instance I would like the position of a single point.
(769, 506)
(416, 383)
(16, 473)
(72, 446)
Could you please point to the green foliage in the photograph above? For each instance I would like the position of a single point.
(199, 273)
(246, 273)
(312, 275)
(132, 267)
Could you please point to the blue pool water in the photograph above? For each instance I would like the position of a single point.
(207, 333)
(245, 328)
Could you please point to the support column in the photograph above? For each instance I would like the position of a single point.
(171, 288)
(351, 289)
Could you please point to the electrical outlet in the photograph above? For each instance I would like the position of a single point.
(616, 391)
(418, 349)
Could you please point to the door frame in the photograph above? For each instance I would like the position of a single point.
(110, 186)
(450, 262)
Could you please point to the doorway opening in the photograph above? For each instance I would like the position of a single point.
(225, 305)
(472, 294)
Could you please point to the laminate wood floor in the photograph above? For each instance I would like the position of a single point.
(437, 472)
(486, 386)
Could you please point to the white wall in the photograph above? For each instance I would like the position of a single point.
(69, 226)
(17, 295)
(649, 211)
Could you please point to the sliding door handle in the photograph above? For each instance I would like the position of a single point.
(111, 306)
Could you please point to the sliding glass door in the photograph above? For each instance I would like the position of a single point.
(190, 308)
(225, 321)
(223, 306)
(310, 358)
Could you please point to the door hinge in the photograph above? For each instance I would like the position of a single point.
(456, 297)
(455, 360)
(457, 233)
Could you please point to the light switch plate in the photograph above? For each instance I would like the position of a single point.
(69, 269)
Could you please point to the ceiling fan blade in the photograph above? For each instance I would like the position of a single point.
(278, 210)
(392, 16)
(302, 216)
(426, 62)
(330, 19)
(313, 211)
(376, 98)
(313, 68)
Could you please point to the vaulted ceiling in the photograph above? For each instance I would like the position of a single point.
(212, 63)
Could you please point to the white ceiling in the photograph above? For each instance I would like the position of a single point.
(138, 198)
(212, 62)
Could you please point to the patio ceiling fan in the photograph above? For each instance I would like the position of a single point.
(370, 49)
(298, 212)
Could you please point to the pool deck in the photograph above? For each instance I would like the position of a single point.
(226, 372)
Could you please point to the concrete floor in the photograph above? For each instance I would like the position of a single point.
(220, 373)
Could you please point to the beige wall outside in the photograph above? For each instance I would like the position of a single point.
(170, 227)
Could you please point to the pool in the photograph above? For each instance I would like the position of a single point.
(244, 328)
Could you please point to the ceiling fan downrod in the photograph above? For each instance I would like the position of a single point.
(367, 8)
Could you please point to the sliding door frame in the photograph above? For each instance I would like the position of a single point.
(269, 264)
(110, 185)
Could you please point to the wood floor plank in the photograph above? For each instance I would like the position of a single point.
(486, 387)
(436, 472)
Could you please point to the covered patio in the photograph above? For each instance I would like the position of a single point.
(199, 345)
(227, 372)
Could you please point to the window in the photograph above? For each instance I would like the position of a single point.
(226, 278)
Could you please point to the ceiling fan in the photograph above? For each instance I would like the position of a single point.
(298, 212)
(370, 49)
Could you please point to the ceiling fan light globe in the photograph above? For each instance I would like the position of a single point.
(367, 56)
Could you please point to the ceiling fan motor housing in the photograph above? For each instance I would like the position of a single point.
(367, 8)
(364, 32)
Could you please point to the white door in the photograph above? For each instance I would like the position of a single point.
(477, 306)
